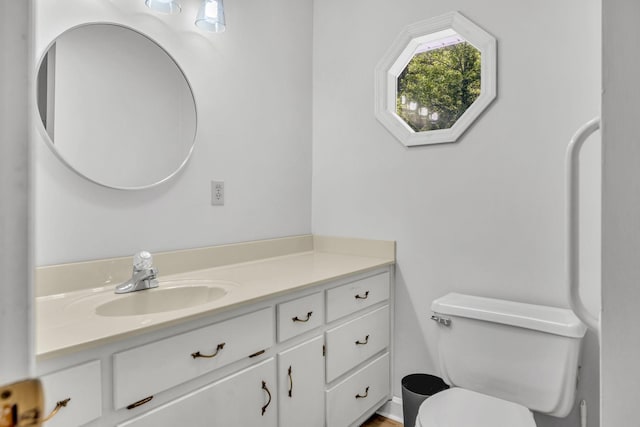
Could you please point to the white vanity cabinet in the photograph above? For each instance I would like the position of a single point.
(301, 385)
(315, 356)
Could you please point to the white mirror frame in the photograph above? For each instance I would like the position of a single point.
(47, 139)
(402, 51)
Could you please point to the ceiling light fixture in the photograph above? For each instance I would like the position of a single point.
(211, 16)
(164, 6)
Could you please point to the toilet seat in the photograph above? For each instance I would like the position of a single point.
(458, 407)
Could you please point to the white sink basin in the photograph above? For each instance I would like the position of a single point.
(170, 296)
(162, 299)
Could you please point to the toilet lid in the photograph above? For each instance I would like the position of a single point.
(458, 407)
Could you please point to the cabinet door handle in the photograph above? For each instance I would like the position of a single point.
(297, 319)
(208, 356)
(264, 387)
(366, 295)
(290, 382)
(140, 402)
(366, 340)
(362, 396)
(59, 405)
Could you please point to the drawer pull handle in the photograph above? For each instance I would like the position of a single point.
(362, 396)
(290, 382)
(366, 295)
(59, 405)
(208, 356)
(257, 353)
(366, 340)
(297, 319)
(264, 387)
(140, 402)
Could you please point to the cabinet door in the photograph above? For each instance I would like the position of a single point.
(301, 385)
(79, 389)
(247, 398)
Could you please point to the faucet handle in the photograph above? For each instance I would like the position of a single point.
(142, 261)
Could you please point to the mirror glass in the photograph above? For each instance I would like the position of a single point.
(116, 108)
(439, 83)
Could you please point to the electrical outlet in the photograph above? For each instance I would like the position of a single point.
(217, 193)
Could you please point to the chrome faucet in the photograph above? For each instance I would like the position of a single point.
(143, 277)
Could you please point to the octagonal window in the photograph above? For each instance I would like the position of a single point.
(436, 79)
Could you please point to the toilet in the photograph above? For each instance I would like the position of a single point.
(502, 359)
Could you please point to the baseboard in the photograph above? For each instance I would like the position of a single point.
(392, 409)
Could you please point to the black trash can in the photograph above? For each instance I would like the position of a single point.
(415, 389)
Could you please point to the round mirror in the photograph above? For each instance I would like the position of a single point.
(116, 108)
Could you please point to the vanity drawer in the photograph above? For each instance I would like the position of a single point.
(359, 393)
(149, 369)
(82, 385)
(300, 315)
(355, 341)
(354, 296)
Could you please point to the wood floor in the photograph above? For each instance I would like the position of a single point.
(378, 421)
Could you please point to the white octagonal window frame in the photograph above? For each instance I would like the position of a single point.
(403, 50)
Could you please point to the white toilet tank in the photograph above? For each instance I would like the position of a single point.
(523, 353)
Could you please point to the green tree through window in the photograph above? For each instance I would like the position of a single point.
(438, 86)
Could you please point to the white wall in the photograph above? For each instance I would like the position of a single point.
(484, 215)
(16, 356)
(621, 215)
(253, 88)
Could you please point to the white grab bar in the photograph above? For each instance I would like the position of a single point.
(573, 222)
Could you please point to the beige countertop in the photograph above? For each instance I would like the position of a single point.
(67, 322)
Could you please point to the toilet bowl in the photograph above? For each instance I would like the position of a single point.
(503, 359)
(458, 407)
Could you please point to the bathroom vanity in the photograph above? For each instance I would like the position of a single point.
(299, 338)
